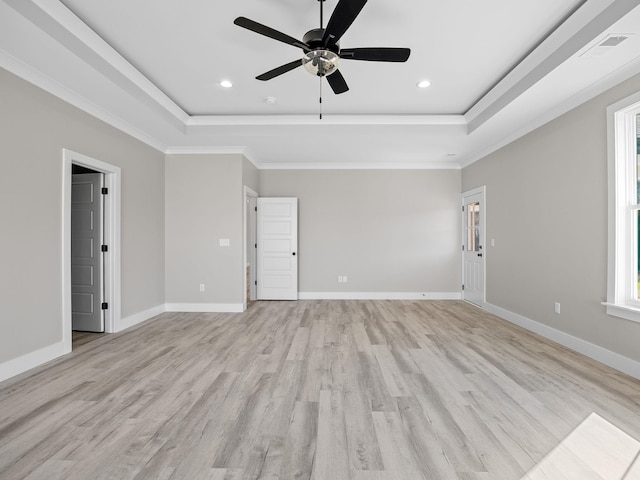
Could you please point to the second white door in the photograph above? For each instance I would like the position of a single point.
(473, 260)
(277, 249)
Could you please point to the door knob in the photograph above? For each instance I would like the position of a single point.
(294, 254)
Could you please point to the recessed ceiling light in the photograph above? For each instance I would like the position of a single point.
(423, 83)
(226, 84)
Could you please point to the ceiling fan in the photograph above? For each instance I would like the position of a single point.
(321, 47)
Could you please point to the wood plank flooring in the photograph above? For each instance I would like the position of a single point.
(323, 390)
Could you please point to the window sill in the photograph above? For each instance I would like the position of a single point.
(623, 311)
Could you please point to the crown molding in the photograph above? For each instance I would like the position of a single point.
(363, 166)
(197, 122)
(55, 19)
(40, 80)
(586, 23)
(618, 76)
(205, 150)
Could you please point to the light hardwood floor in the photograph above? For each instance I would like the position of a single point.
(328, 390)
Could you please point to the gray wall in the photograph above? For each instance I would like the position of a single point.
(34, 128)
(387, 231)
(204, 198)
(250, 175)
(547, 210)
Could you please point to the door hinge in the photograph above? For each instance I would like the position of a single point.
(255, 283)
(105, 305)
(255, 245)
(463, 208)
(256, 208)
(105, 191)
(104, 248)
(463, 288)
(463, 248)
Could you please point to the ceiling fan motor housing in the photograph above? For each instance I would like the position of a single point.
(321, 60)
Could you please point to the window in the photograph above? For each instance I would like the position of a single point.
(623, 289)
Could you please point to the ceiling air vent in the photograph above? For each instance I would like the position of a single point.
(604, 46)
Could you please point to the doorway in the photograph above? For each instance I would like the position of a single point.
(250, 244)
(111, 238)
(473, 246)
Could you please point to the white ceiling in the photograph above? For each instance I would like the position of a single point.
(497, 68)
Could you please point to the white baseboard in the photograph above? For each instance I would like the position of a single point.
(206, 307)
(602, 355)
(19, 365)
(379, 296)
(139, 317)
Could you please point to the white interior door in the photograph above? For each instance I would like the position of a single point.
(86, 252)
(277, 249)
(473, 254)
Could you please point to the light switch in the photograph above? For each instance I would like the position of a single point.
(224, 242)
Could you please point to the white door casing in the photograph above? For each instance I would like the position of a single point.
(87, 214)
(473, 246)
(112, 220)
(277, 249)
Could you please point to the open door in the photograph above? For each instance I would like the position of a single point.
(277, 249)
(86, 252)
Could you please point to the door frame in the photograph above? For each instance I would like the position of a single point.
(111, 235)
(482, 190)
(248, 193)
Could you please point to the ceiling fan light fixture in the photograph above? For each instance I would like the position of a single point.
(226, 84)
(321, 63)
(423, 84)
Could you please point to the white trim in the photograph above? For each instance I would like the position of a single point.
(55, 19)
(214, 150)
(379, 295)
(600, 354)
(40, 80)
(205, 149)
(197, 122)
(363, 166)
(136, 318)
(587, 22)
(588, 93)
(622, 311)
(19, 365)
(622, 233)
(206, 307)
(112, 215)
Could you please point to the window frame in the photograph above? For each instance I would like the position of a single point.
(622, 298)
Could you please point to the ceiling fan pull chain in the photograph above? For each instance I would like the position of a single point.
(320, 96)
(321, 14)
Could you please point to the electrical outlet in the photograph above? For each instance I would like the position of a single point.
(556, 307)
(202, 287)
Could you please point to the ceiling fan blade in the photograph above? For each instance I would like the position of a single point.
(382, 54)
(341, 19)
(337, 82)
(270, 32)
(279, 70)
